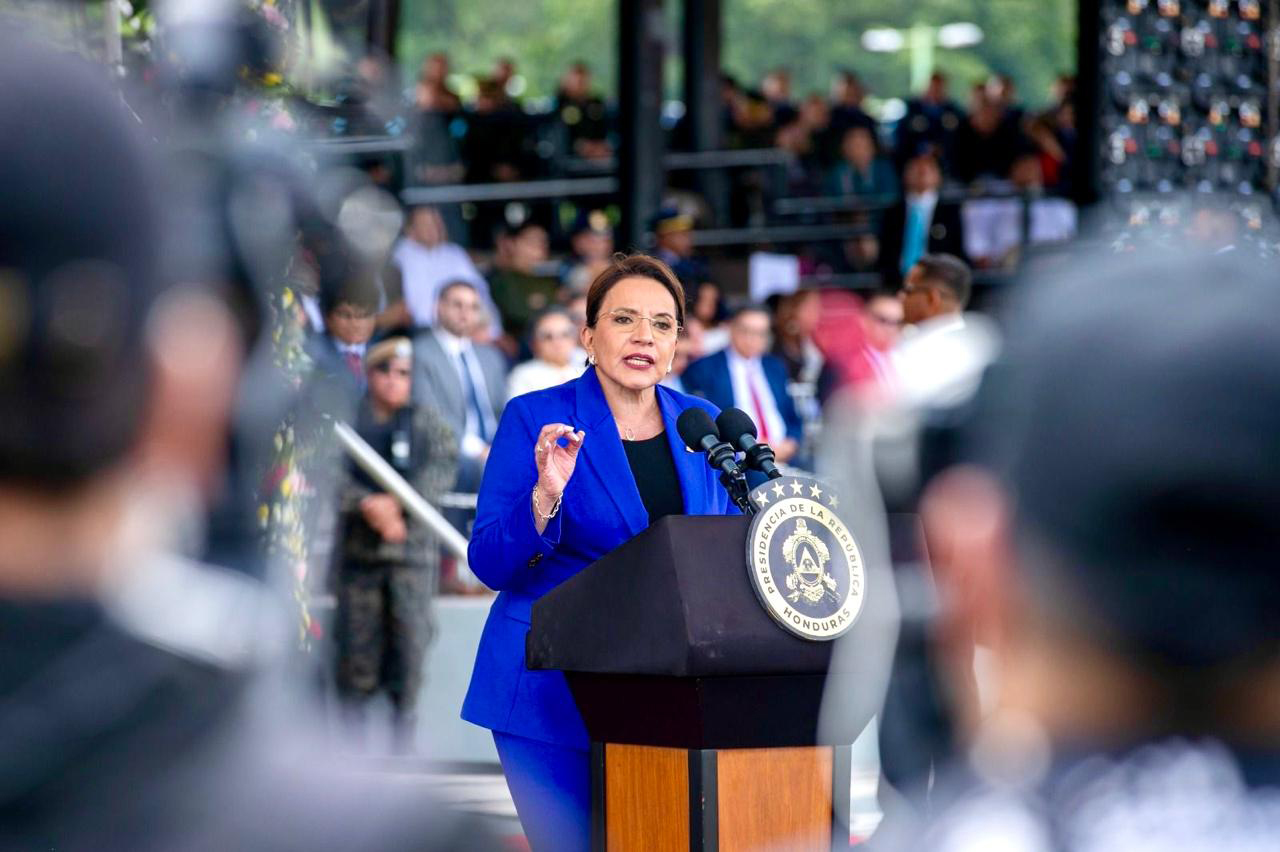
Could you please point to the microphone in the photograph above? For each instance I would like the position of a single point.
(737, 427)
(699, 434)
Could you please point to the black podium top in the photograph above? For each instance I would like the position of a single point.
(675, 601)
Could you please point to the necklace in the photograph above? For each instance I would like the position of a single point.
(628, 434)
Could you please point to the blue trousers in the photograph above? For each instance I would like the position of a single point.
(551, 787)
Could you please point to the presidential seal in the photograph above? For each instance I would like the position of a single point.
(804, 563)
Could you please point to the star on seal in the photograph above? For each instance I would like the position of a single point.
(835, 501)
(777, 490)
(815, 491)
(762, 498)
(796, 487)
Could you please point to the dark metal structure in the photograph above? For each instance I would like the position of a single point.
(641, 46)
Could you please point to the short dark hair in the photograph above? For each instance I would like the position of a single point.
(951, 273)
(633, 266)
(457, 282)
(510, 230)
(359, 292)
(749, 308)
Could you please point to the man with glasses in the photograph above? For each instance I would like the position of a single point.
(936, 291)
(743, 375)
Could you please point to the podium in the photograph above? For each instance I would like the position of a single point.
(702, 711)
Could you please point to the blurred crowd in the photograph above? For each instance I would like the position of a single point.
(870, 155)
(840, 143)
(1095, 525)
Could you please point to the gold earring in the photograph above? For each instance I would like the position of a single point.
(591, 358)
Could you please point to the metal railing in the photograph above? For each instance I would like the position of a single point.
(413, 502)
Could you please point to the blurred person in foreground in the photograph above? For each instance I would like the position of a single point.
(744, 375)
(934, 297)
(1111, 542)
(552, 338)
(125, 672)
(389, 562)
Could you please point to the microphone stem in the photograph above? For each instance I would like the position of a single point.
(738, 492)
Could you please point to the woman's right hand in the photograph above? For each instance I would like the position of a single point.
(556, 463)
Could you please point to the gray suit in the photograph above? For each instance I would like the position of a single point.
(436, 381)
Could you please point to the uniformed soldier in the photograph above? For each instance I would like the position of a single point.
(389, 566)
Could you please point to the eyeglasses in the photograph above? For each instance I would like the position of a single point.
(352, 314)
(624, 319)
(892, 322)
(398, 372)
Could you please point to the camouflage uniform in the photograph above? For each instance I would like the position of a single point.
(384, 589)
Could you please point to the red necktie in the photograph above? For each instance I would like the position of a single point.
(755, 401)
(353, 364)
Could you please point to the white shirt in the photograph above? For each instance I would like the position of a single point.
(424, 272)
(472, 444)
(748, 373)
(536, 375)
(927, 202)
(941, 360)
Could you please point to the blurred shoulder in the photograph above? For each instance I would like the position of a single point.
(713, 361)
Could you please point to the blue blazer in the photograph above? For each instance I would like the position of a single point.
(601, 509)
(709, 378)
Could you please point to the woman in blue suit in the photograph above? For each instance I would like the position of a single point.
(574, 471)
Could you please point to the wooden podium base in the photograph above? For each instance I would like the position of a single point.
(651, 799)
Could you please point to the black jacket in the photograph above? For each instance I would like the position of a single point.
(107, 742)
(946, 235)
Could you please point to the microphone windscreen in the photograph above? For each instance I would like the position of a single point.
(733, 424)
(694, 424)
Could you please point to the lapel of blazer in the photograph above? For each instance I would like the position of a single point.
(691, 467)
(437, 362)
(602, 451)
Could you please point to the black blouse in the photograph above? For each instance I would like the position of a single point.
(655, 472)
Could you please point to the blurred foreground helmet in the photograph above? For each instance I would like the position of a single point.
(79, 261)
(1135, 418)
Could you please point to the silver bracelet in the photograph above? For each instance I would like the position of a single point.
(549, 515)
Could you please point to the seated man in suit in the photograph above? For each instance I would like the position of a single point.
(743, 375)
(920, 224)
(465, 381)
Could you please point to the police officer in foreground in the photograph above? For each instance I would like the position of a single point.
(125, 712)
(1112, 544)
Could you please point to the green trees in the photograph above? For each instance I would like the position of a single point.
(1032, 40)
